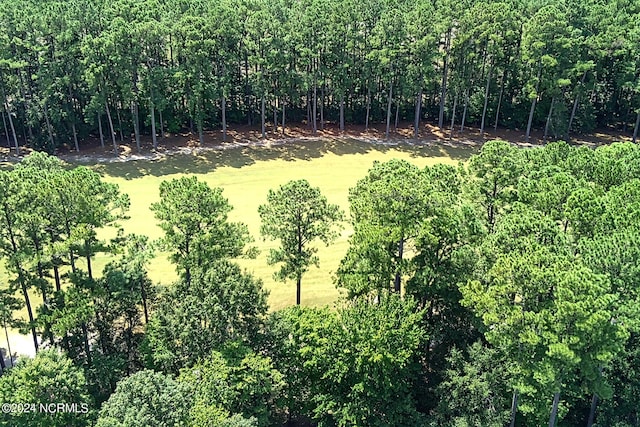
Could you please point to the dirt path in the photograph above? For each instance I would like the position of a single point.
(244, 136)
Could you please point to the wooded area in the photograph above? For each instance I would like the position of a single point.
(119, 69)
(503, 291)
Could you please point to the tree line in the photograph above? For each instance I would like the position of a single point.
(120, 69)
(500, 292)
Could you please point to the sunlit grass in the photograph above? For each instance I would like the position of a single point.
(246, 174)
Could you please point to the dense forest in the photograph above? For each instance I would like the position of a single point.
(119, 69)
(500, 291)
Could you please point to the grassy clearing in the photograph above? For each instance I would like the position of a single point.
(246, 174)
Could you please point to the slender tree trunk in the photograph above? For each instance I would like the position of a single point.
(6, 335)
(464, 110)
(554, 410)
(416, 119)
(495, 125)
(136, 124)
(453, 116)
(100, 130)
(154, 138)
(120, 124)
(592, 410)
(341, 112)
(396, 281)
(366, 122)
(113, 133)
(223, 103)
(283, 121)
(314, 108)
(445, 69)
(143, 294)
(262, 117)
(322, 107)
(575, 104)
(6, 130)
(386, 134)
(514, 409)
(275, 116)
(48, 123)
(298, 289)
(395, 125)
(635, 129)
(486, 100)
(546, 126)
(85, 340)
(533, 104)
(3, 366)
(161, 123)
(13, 129)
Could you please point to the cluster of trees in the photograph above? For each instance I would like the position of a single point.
(504, 291)
(70, 69)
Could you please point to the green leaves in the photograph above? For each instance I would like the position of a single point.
(194, 219)
(297, 214)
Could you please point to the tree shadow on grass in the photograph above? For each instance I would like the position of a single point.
(237, 156)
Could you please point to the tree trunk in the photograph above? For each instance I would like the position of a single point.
(445, 69)
(283, 121)
(366, 120)
(453, 116)
(533, 104)
(113, 133)
(592, 410)
(486, 100)
(136, 124)
(635, 129)
(464, 110)
(6, 130)
(275, 116)
(314, 108)
(341, 112)
(546, 126)
(223, 103)
(262, 117)
(48, 123)
(100, 130)
(322, 107)
(514, 409)
(395, 125)
(386, 134)
(6, 335)
(161, 124)
(396, 281)
(13, 129)
(153, 123)
(298, 288)
(554, 410)
(495, 125)
(416, 119)
(85, 340)
(120, 124)
(575, 104)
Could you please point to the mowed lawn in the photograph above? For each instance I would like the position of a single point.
(246, 174)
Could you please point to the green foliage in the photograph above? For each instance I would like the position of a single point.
(354, 367)
(194, 318)
(194, 219)
(49, 378)
(149, 399)
(297, 214)
(235, 381)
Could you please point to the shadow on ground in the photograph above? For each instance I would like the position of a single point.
(205, 161)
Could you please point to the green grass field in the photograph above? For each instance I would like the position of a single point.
(246, 174)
